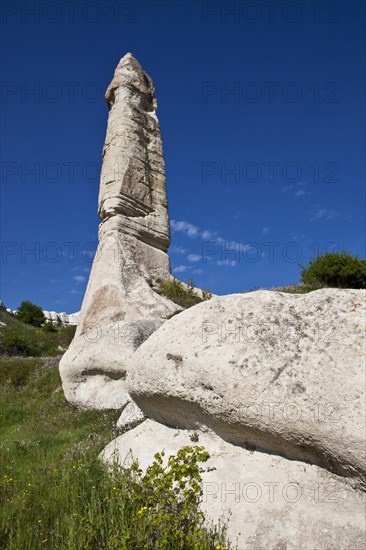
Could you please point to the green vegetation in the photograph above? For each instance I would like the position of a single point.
(183, 295)
(31, 314)
(167, 502)
(56, 494)
(341, 270)
(18, 338)
(49, 327)
(333, 269)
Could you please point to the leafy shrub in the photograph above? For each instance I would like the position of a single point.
(31, 314)
(335, 269)
(165, 503)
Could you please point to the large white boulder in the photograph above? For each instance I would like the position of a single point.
(276, 372)
(95, 368)
(268, 501)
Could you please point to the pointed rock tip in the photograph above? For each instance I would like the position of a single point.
(128, 57)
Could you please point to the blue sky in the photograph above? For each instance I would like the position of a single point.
(261, 107)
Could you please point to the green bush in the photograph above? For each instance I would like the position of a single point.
(165, 505)
(31, 314)
(335, 269)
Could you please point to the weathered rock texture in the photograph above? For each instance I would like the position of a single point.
(280, 372)
(133, 240)
(271, 503)
(274, 384)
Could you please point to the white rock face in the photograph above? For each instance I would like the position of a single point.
(131, 415)
(64, 318)
(94, 373)
(269, 501)
(282, 373)
(133, 240)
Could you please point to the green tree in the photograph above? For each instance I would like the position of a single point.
(335, 269)
(30, 313)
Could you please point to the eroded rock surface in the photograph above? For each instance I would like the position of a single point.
(133, 240)
(269, 502)
(282, 373)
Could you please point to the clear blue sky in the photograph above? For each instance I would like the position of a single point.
(263, 122)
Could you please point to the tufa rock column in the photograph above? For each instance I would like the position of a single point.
(120, 309)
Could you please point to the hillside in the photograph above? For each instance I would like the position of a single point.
(17, 338)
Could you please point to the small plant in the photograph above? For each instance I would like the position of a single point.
(194, 437)
(31, 314)
(335, 269)
(206, 294)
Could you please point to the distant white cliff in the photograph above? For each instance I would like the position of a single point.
(52, 316)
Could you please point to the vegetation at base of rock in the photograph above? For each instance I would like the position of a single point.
(183, 295)
(54, 491)
(31, 314)
(22, 339)
(165, 504)
(335, 269)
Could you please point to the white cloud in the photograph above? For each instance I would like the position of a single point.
(197, 271)
(194, 257)
(180, 268)
(319, 213)
(73, 291)
(184, 227)
(177, 250)
(293, 188)
(79, 278)
(207, 235)
(265, 230)
(222, 247)
(226, 263)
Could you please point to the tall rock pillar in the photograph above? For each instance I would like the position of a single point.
(120, 309)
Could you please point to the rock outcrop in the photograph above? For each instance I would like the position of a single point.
(269, 502)
(133, 240)
(63, 318)
(273, 384)
(284, 373)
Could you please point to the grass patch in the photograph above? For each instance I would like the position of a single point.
(17, 338)
(185, 296)
(54, 491)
